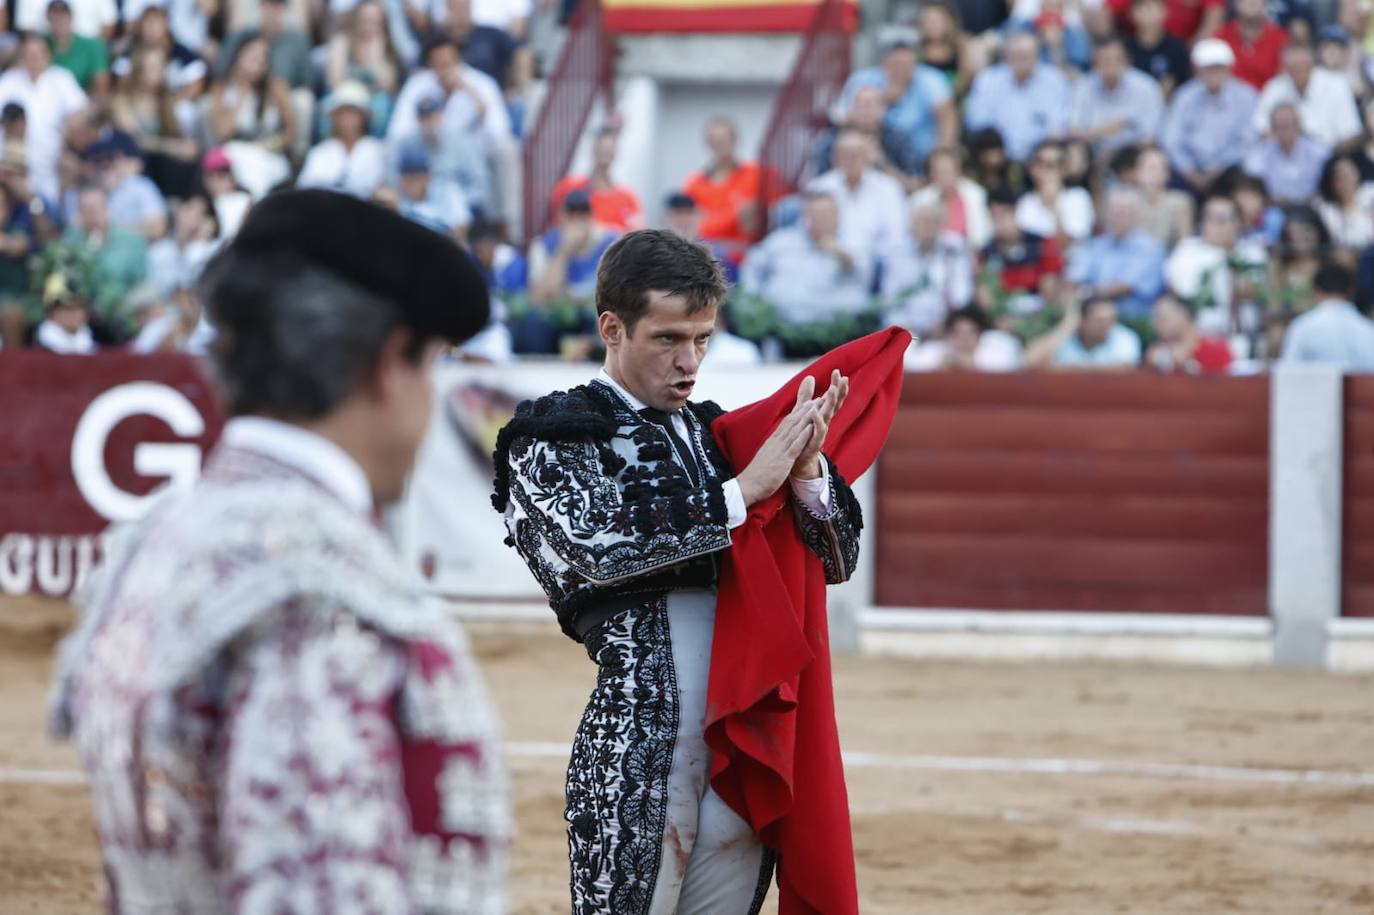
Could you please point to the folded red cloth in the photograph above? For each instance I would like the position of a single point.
(770, 711)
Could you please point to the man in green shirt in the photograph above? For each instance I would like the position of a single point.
(86, 58)
(119, 255)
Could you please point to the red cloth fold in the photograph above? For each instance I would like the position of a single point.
(770, 712)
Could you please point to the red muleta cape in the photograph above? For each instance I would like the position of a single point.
(770, 712)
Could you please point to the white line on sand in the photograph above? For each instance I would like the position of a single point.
(981, 764)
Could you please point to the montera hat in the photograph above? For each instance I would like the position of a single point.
(428, 277)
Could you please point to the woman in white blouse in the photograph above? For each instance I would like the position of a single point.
(1346, 205)
(1050, 209)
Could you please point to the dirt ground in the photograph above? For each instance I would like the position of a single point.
(931, 835)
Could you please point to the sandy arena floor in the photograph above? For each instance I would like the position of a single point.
(936, 829)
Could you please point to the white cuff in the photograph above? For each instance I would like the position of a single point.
(814, 494)
(735, 509)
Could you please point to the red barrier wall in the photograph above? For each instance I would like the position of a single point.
(74, 431)
(1127, 493)
(1357, 519)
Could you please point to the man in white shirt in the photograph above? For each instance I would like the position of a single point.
(48, 95)
(872, 203)
(805, 272)
(348, 160)
(1334, 332)
(1323, 99)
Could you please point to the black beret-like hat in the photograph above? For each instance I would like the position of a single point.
(428, 276)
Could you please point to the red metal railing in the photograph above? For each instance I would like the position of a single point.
(583, 68)
(803, 105)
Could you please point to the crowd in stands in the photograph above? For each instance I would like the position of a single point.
(1182, 185)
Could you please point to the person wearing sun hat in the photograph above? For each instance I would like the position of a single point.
(1207, 128)
(273, 713)
(349, 159)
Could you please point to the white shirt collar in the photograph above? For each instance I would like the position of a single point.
(1336, 303)
(605, 378)
(311, 454)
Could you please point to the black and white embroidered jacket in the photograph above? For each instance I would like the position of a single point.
(606, 517)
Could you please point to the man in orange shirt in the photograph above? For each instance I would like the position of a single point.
(726, 192)
(613, 205)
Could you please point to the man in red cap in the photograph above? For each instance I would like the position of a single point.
(619, 500)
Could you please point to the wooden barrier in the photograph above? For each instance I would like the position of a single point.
(1357, 522)
(1126, 493)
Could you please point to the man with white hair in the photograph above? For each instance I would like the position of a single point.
(1208, 126)
(870, 200)
(1027, 101)
(926, 275)
(1125, 263)
(1288, 162)
(1323, 99)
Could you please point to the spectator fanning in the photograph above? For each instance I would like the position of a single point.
(1115, 105)
(805, 272)
(1323, 99)
(1288, 163)
(1050, 209)
(963, 201)
(613, 205)
(1153, 50)
(726, 191)
(1124, 263)
(1334, 332)
(1208, 126)
(1179, 347)
(871, 202)
(926, 275)
(349, 160)
(252, 118)
(145, 108)
(1347, 204)
(1025, 100)
(918, 99)
(85, 57)
(48, 95)
(1256, 41)
(970, 344)
(1089, 336)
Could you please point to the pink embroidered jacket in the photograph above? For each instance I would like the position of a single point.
(275, 718)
